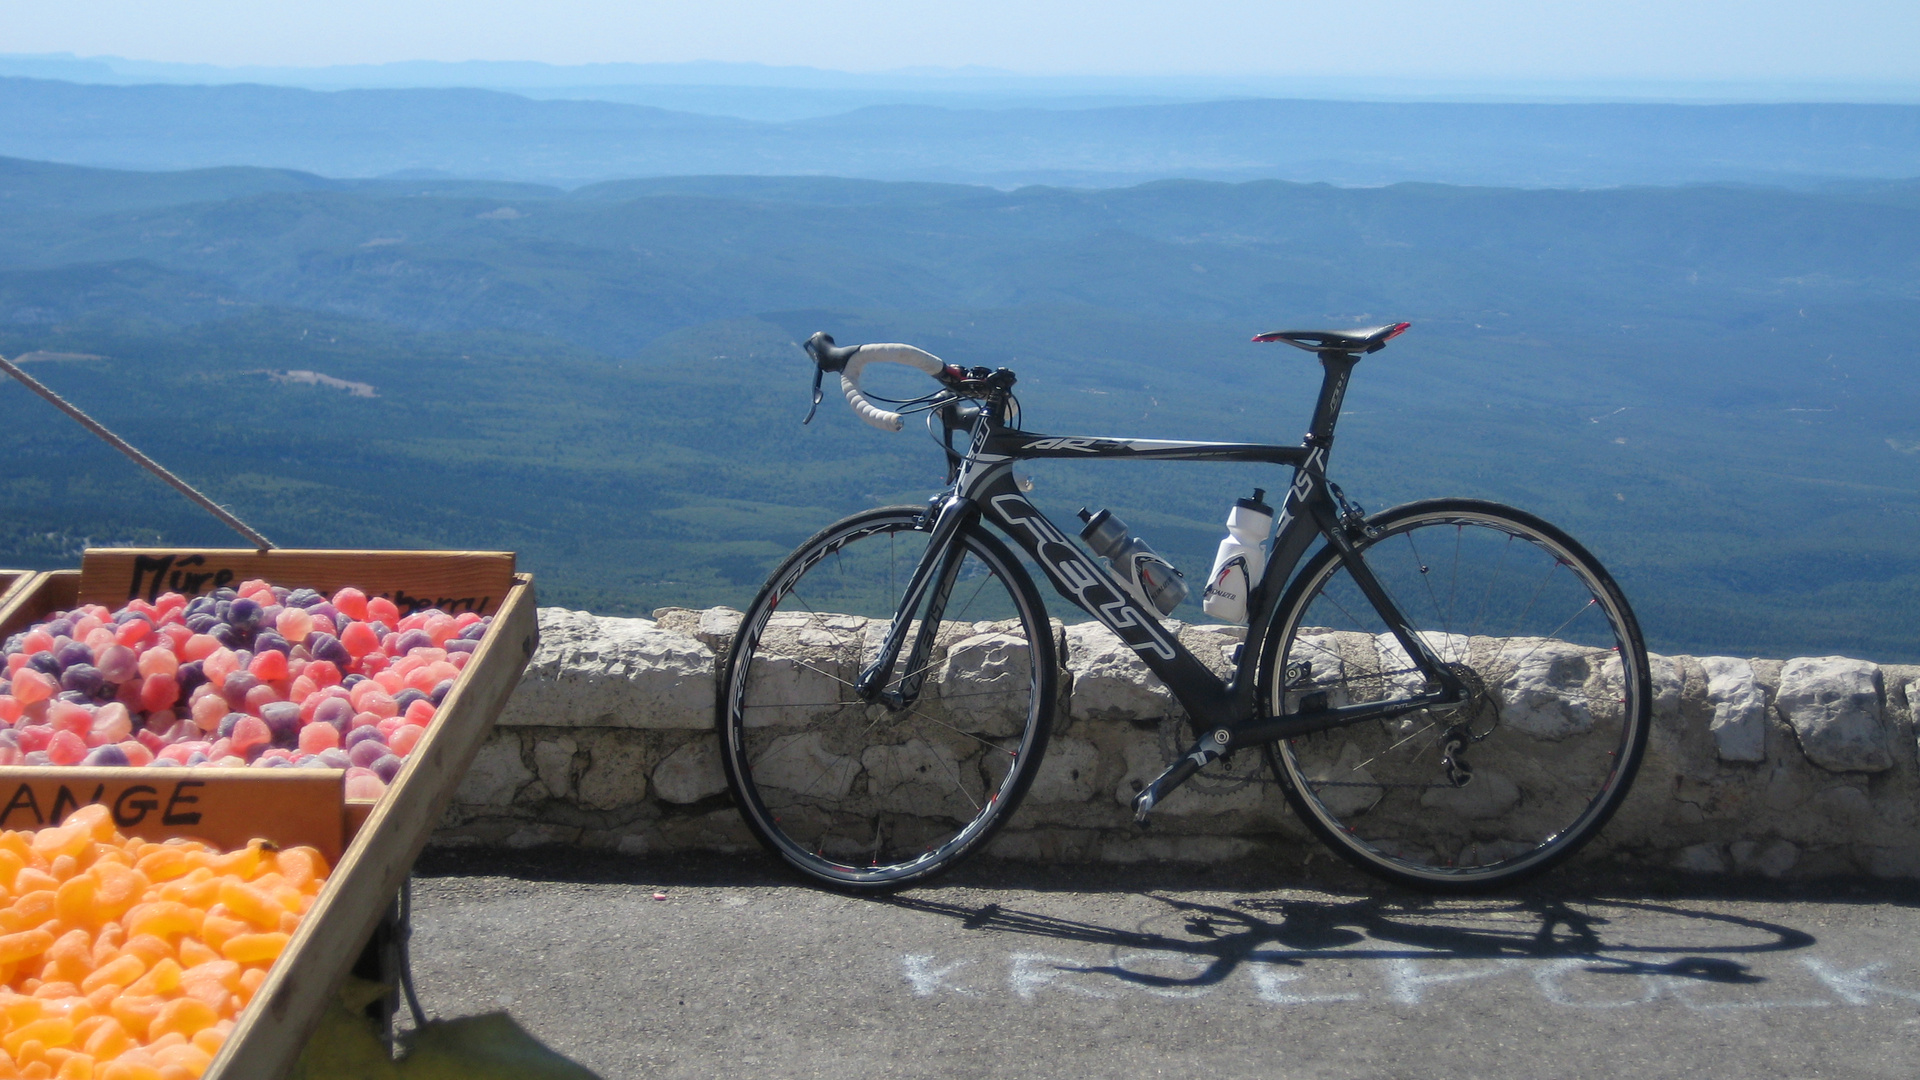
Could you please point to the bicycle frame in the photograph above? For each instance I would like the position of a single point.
(1226, 715)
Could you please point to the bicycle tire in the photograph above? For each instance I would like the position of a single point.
(856, 795)
(1553, 731)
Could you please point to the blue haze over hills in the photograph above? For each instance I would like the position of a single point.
(1708, 375)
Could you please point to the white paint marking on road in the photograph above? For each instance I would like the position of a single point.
(927, 981)
(1854, 987)
(1029, 972)
(1406, 983)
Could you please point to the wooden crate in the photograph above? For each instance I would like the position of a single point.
(14, 584)
(382, 839)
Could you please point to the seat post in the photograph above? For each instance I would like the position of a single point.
(1333, 390)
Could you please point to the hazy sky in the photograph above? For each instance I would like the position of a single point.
(1852, 40)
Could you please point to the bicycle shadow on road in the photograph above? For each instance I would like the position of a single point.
(1220, 938)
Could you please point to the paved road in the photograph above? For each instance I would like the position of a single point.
(1016, 972)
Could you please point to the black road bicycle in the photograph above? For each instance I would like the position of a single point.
(1453, 694)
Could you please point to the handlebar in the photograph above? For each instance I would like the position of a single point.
(851, 360)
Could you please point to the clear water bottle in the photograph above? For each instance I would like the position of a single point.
(1152, 580)
(1241, 559)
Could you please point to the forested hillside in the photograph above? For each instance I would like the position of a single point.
(1712, 386)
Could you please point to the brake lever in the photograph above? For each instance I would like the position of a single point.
(815, 407)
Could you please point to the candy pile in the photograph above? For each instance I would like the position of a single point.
(258, 675)
(128, 960)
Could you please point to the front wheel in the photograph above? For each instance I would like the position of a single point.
(1515, 778)
(864, 794)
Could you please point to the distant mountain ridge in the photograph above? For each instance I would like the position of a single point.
(493, 135)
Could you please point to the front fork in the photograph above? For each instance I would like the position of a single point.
(932, 582)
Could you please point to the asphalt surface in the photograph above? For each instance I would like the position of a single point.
(1018, 971)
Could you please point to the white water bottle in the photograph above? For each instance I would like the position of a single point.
(1241, 559)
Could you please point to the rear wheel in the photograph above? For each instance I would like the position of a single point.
(862, 794)
(1525, 771)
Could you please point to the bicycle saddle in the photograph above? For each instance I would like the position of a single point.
(1368, 340)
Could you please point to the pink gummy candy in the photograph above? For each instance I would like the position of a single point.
(381, 609)
(248, 732)
(404, 738)
(30, 686)
(157, 661)
(351, 602)
(209, 711)
(219, 664)
(317, 737)
(269, 665)
(294, 624)
(66, 748)
(159, 692)
(363, 784)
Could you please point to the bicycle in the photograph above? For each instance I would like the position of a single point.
(1452, 694)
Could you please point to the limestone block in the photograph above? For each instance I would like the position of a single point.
(1701, 859)
(801, 763)
(1066, 772)
(496, 775)
(553, 762)
(616, 773)
(1544, 692)
(1739, 724)
(1772, 859)
(717, 627)
(690, 773)
(593, 671)
(1109, 681)
(1833, 704)
(923, 778)
(986, 683)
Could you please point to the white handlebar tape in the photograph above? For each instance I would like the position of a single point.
(882, 354)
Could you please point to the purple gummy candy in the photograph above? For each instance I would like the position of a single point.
(191, 676)
(60, 628)
(326, 647)
(414, 639)
(105, 755)
(44, 663)
(164, 763)
(73, 652)
(238, 683)
(440, 691)
(461, 645)
(370, 733)
(243, 612)
(475, 632)
(283, 720)
(365, 753)
(335, 711)
(387, 768)
(268, 639)
(84, 678)
(407, 697)
(335, 758)
(352, 681)
(118, 664)
(38, 757)
(225, 730)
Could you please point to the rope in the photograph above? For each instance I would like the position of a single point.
(145, 462)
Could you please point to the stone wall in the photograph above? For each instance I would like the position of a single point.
(1795, 768)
